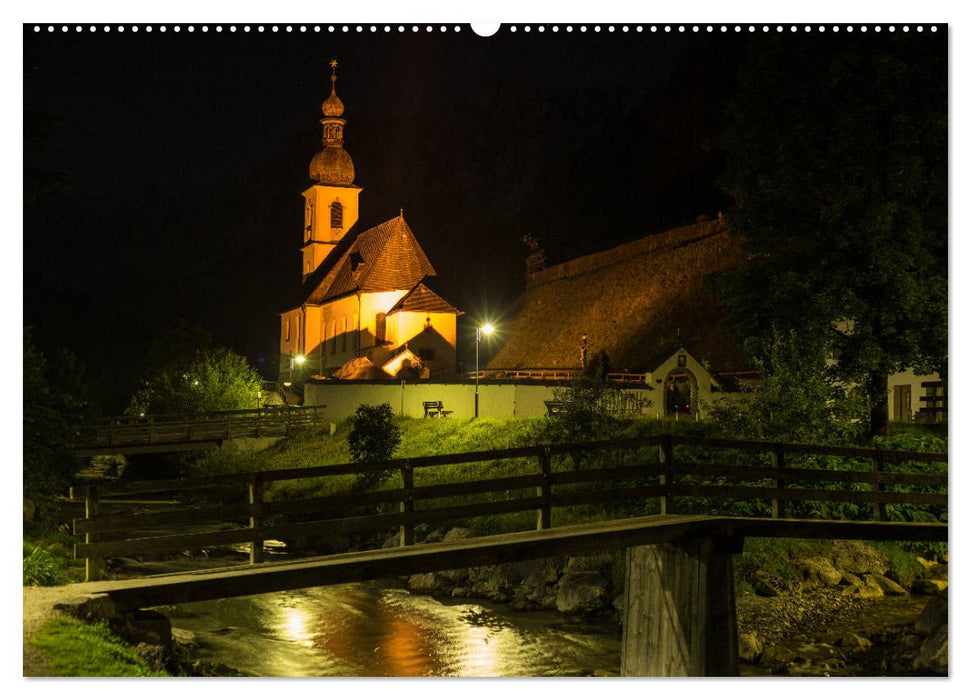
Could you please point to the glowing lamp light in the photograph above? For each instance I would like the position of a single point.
(488, 329)
(300, 359)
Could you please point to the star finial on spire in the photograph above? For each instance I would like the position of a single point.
(333, 69)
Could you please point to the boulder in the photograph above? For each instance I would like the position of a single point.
(766, 588)
(88, 607)
(155, 655)
(749, 646)
(184, 638)
(144, 626)
(433, 536)
(854, 642)
(888, 586)
(933, 653)
(423, 582)
(866, 590)
(928, 586)
(776, 655)
(933, 616)
(582, 592)
(598, 563)
(456, 533)
(848, 579)
(818, 571)
(858, 558)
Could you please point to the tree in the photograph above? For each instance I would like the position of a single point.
(837, 159)
(373, 438)
(56, 406)
(794, 402)
(210, 380)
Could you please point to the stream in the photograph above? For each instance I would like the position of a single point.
(380, 628)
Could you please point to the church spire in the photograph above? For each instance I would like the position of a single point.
(332, 165)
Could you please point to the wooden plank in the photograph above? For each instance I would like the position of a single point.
(679, 611)
(804, 474)
(860, 452)
(185, 516)
(561, 500)
(576, 539)
(544, 516)
(406, 506)
(256, 521)
(803, 494)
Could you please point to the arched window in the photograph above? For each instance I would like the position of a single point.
(337, 214)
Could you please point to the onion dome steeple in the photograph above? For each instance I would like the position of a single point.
(332, 165)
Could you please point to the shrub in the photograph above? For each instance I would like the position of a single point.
(373, 438)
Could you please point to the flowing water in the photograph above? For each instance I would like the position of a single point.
(382, 629)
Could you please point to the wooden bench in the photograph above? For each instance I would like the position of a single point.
(554, 407)
(435, 409)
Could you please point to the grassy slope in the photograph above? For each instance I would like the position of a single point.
(75, 648)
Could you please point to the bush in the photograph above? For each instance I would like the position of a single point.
(373, 438)
(40, 567)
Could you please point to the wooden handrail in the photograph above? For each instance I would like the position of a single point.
(669, 479)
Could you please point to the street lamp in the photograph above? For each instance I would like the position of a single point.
(487, 329)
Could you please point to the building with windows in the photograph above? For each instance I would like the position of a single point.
(364, 293)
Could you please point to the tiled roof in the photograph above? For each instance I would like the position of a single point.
(637, 302)
(380, 259)
(421, 298)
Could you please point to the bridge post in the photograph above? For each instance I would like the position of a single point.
(679, 609)
(407, 505)
(666, 457)
(778, 504)
(256, 520)
(92, 505)
(879, 509)
(544, 516)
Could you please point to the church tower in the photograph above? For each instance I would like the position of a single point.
(330, 205)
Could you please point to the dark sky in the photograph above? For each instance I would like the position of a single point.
(163, 171)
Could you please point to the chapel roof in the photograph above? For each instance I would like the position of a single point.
(380, 259)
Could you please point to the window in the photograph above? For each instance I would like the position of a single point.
(426, 354)
(308, 218)
(337, 214)
(344, 334)
(380, 327)
(286, 328)
(356, 260)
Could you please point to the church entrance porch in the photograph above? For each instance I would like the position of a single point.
(680, 388)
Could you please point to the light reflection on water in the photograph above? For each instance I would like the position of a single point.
(375, 629)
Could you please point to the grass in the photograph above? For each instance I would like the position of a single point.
(49, 557)
(75, 648)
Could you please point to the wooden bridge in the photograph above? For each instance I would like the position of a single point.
(180, 432)
(679, 598)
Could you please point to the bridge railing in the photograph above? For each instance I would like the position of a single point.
(649, 473)
(154, 429)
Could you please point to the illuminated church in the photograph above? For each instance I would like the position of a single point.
(365, 309)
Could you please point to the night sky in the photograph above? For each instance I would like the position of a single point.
(163, 171)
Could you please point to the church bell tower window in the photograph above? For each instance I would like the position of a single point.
(336, 215)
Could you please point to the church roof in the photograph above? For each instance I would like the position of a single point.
(421, 298)
(637, 302)
(380, 259)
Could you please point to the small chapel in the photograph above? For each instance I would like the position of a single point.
(365, 309)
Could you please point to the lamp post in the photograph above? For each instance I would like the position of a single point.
(296, 362)
(479, 330)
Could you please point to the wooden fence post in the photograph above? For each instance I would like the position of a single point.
(259, 425)
(879, 509)
(256, 519)
(544, 516)
(666, 478)
(407, 505)
(92, 505)
(778, 460)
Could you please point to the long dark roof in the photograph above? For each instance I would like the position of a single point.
(380, 259)
(636, 301)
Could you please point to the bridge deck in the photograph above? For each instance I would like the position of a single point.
(575, 539)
